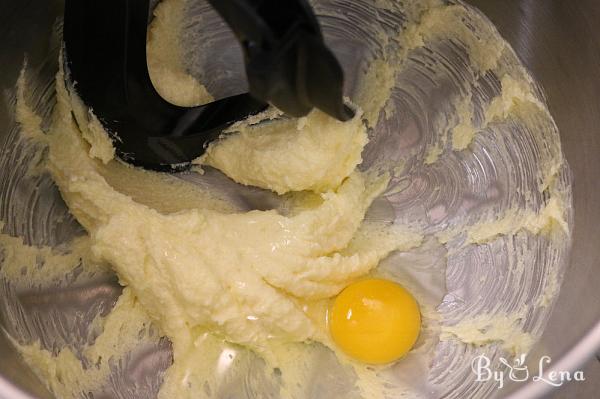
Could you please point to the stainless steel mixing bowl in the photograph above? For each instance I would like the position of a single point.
(558, 40)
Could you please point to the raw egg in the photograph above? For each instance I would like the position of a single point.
(375, 321)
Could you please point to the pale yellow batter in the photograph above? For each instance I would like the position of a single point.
(202, 268)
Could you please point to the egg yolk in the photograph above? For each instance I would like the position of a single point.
(375, 321)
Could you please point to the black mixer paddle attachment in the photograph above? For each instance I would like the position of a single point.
(287, 65)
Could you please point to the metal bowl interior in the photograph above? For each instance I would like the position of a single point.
(558, 41)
